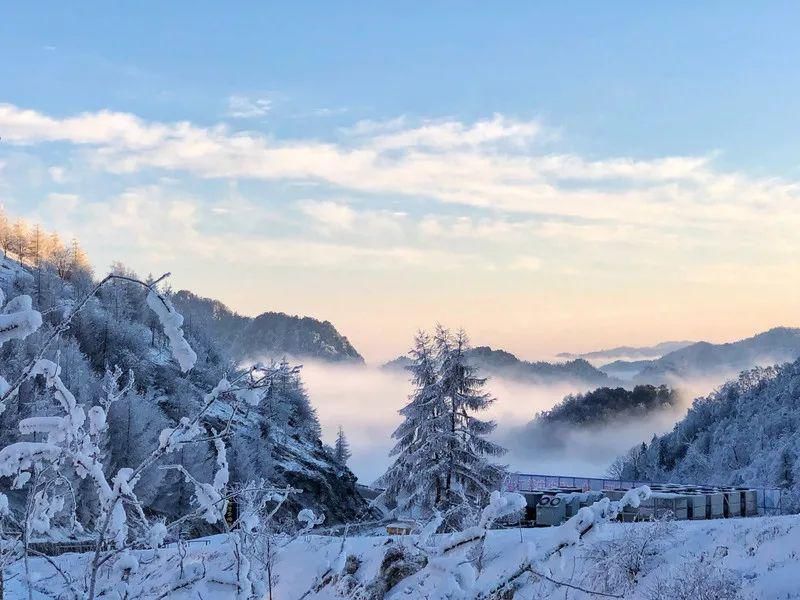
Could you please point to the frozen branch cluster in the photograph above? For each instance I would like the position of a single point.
(18, 320)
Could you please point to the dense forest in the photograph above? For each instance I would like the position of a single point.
(605, 404)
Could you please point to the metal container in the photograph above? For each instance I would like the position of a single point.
(671, 504)
(715, 505)
(697, 506)
(751, 503)
(572, 504)
(733, 503)
(550, 511)
(531, 502)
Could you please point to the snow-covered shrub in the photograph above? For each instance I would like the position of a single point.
(18, 320)
(398, 563)
(696, 581)
(617, 565)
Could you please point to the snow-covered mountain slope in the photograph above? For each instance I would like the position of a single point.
(747, 432)
(755, 558)
(270, 334)
(11, 272)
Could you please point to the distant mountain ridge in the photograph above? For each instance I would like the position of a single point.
(775, 346)
(499, 362)
(630, 352)
(270, 334)
(625, 369)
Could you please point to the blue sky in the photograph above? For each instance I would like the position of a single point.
(335, 158)
(720, 76)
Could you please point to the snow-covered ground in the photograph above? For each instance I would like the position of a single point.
(760, 556)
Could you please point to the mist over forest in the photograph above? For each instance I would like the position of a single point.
(365, 401)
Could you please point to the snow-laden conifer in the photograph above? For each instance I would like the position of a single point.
(442, 455)
(469, 476)
(341, 448)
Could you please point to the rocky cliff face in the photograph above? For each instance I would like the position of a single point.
(326, 487)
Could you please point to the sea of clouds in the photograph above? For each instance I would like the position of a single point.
(364, 400)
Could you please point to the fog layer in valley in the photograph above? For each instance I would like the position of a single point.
(365, 401)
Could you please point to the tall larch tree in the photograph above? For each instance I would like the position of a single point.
(414, 480)
(470, 476)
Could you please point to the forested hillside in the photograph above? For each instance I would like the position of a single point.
(744, 433)
(605, 404)
(601, 408)
(116, 339)
(269, 335)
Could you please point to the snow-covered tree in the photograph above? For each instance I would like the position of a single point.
(469, 477)
(414, 481)
(5, 234)
(442, 454)
(341, 448)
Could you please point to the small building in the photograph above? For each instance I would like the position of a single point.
(400, 528)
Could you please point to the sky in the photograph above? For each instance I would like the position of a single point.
(560, 177)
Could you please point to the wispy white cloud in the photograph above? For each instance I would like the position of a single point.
(369, 127)
(490, 165)
(154, 226)
(57, 174)
(446, 135)
(465, 227)
(336, 218)
(245, 107)
(525, 263)
(329, 213)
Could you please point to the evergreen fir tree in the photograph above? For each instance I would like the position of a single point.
(469, 477)
(441, 448)
(414, 481)
(341, 449)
